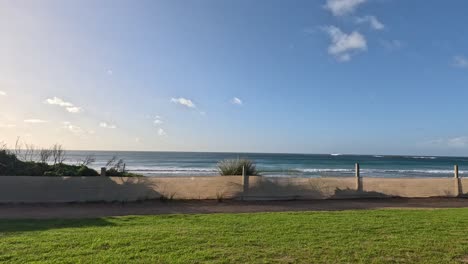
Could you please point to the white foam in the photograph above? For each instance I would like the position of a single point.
(422, 157)
(325, 170)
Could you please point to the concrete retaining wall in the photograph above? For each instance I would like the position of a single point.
(22, 189)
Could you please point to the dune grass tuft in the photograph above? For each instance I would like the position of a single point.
(234, 167)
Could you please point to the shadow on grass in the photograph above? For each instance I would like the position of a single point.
(18, 189)
(8, 227)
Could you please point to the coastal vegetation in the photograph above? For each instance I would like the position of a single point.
(27, 160)
(231, 167)
(361, 236)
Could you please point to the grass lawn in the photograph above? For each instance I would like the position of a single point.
(375, 236)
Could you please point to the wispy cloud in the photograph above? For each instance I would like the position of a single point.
(460, 61)
(458, 142)
(109, 72)
(72, 128)
(372, 20)
(391, 45)
(76, 130)
(71, 108)
(107, 125)
(342, 7)
(183, 101)
(35, 121)
(236, 101)
(2, 93)
(158, 120)
(7, 125)
(343, 45)
(58, 101)
(161, 132)
(455, 142)
(74, 109)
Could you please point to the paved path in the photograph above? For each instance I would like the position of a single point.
(92, 210)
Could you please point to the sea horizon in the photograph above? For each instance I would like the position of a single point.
(187, 163)
(272, 153)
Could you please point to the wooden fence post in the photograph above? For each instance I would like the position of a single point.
(456, 178)
(245, 180)
(358, 177)
(103, 172)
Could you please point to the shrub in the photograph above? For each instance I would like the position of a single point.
(10, 165)
(70, 170)
(85, 171)
(116, 167)
(234, 167)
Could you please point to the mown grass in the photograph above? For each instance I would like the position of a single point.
(376, 236)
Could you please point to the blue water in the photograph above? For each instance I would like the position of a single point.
(280, 165)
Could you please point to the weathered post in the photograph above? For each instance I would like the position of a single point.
(358, 177)
(456, 178)
(103, 172)
(245, 180)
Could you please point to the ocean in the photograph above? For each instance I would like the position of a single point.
(155, 164)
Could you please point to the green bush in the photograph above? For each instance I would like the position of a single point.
(234, 167)
(85, 171)
(10, 165)
(112, 172)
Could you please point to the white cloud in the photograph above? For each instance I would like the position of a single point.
(74, 109)
(67, 105)
(58, 101)
(35, 121)
(236, 101)
(107, 125)
(161, 132)
(343, 45)
(183, 101)
(137, 140)
(7, 125)
(342, 7)
(372, 20)
(460, 61)
(2, 93)
(76, 130)
(157, 120)
(109, 72)
(72, 128)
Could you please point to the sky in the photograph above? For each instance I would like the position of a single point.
(323, 76)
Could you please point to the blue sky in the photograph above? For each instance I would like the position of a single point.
(336, 76)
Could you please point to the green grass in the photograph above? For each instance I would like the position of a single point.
(376, 236)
